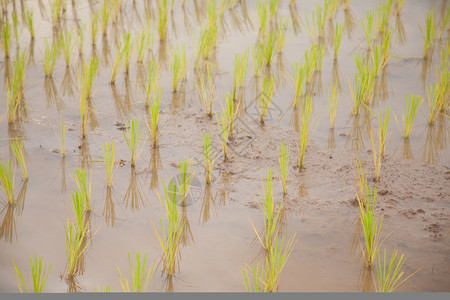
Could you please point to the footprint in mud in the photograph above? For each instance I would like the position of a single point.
(435, 231)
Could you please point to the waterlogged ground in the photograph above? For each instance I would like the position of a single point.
(321, 209)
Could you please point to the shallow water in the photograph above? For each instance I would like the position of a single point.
(319, 206)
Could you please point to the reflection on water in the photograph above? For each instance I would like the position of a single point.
(359, 130)
(331, 144)
(186, 235)
(335, 74)
(52, 94)
(208, 204)
(302, 191)
(8, 226)
(293, 12)
(155, 165)
(366, 280)
(109, 211)
(349, 22)
(134, 197)
(85, 156)
(30, 54)
(73, 286)
(67, 84)
(122, 110)
(400, 29)
(436, 140)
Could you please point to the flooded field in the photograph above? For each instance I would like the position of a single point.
(61, 131)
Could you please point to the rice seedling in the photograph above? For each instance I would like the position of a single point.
(205, 87)
(154, 114)
(29, 22)
(186, 177)
(411, 108)
(106, 13)
(178, 67)
(67, 46)
(162, 21)
(317, 53)
(152, 81)
(75, 246)
(339, 30)
(51, 55)
(80, 179)
(38, 274)
(258, 59)
(94, 28)
(105, 289)
(364, 84)
(116, 64)
(429, 34)
(208, 160)
(81, 36)
(90, 71)
(223, 137)
(15, 26)
(385, 46)
(133, 137)
(239, 71)
(382, 19)
(383, 122)
(333, 102)
(371, 226)
(304, 130)
(284, 152)
(230, 115)
(78, 204)
(127, 49)
(208, 38)
(269, 46)
(108, 158)
(6, 38)
(367, 26)
(263, 14)
(273, 8)
(266, 277)
(55, 6)
(7, 179)
(82, 98)
(376, 157)
(169, 239)
(434, 103)
(266, 98)
(309, 68)
(281, 34)
(388, 277)
(298, 81)
(63, 137)
(14, 88)
(17, 149)
(143, 40)
(140, 275)
(361, 180)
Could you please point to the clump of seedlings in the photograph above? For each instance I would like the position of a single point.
(143, 41)
(178, 67)
(106, 14)
(108, 158)
(376, 157)
(383, 122)
(116, 63)
(84, 188)
(127, 49)
(38, 274)
(411, 108)
(364, 84)
(7, 179)
(333, 102)
(223, 135)
(152, 80)
(154, 114)
(51, 55)
(304, 130)
(284, 153)
(162, 20)
(94, 28)
(29, 22)
(75, 246)
(19, 153)
(133, 137)
(208, 160)
(169, 239)
(269, 47)
(15, 87)
(281, 34)
(263, 13)
(266, 98)
(140, 275)
(230, 114)
(186, 177)
(298, 81)
(67, 46)
(258, 59)
(6, 38)
(339, 30)
(239, 71)
(205, 87)
(15, 26)
(434, 103)
(367, 26)
(429, 35)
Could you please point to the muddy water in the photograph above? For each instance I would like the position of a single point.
(320, 204)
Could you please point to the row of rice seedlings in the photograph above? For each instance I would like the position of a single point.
(333, 102)
(152, 80)
(169, 239)
(284, 152)
(339, 30)
(139, 277)
(162, 20)
(38, 274)
(84, 188)
(94, 28)
(133, 137)
(383, 122)
(106, 14)
(376, 157)
(239, 71)
(186, 176)
(67, 45)
(6, 38)
(266, 97)
(266, 277)
(127, 49)
(205, 86)
(154, 114)
(371, 226)
(390, 272)
(304, 130)
(429, 35)
(143, 42)
(411, 108)
(223, 129)
(108, 158)
(7, 179)
(298, 81)
(19, 154)
(178, 67)
(29, 22)
(51, 55)
(208, 160)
